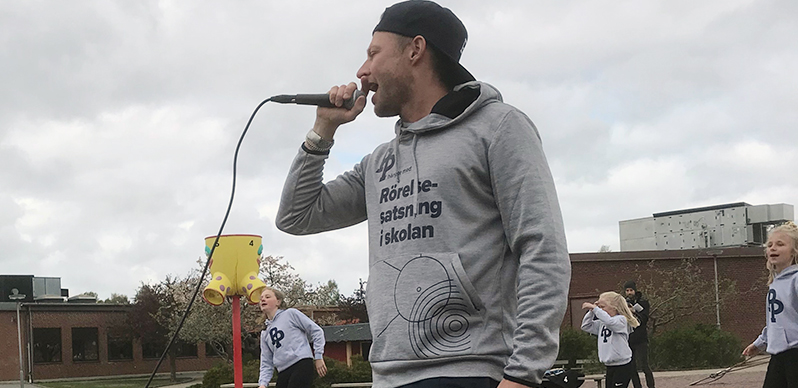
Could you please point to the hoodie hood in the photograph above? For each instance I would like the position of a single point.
(453, 108)
(787, 272)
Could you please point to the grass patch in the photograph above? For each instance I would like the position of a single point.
(133, 382)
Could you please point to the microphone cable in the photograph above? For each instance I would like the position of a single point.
(213, 247)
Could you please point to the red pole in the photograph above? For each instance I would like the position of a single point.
(238, 374)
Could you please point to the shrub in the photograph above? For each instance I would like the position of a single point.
(694, 347)
(579, 345)
(576, 345)
(222, 373)
(360, 370)
(339, 372)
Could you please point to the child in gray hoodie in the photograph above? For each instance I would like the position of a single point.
(611, 320)
(780, 335)
(284, 345)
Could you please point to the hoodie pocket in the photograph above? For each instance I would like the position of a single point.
(422, 306)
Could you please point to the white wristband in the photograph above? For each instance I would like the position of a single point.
(314, 142)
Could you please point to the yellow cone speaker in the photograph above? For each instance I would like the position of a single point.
(234, 268)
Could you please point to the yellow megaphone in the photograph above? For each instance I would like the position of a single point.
(234, 268)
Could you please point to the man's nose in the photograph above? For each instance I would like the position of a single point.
(363, 70)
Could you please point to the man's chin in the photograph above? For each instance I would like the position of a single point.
(382, 111)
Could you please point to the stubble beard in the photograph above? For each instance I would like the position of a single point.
(394, 95)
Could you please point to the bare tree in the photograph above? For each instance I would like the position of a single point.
(679, 293)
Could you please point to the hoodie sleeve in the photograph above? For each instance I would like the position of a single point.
(310, 206)
(761, 342)
(617, 324)
(309, 327)
(532, 221)
(266, 362)
(589, 324)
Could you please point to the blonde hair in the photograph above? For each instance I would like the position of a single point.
(791, 230)
(616, 301)
(277, 295)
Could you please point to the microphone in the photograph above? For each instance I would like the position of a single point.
(322, 100)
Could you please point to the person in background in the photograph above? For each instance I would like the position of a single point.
(284, 345)
(611, 320)
(638, 339)
(780, 335)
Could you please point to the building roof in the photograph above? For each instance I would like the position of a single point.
(675, 254)
(347, 333)
(67, 307)
(701, 209)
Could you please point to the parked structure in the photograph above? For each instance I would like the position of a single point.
(345, 341)
(734, 224)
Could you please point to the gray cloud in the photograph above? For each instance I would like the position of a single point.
(118, 121)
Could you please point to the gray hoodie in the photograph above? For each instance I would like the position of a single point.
(781, 329)
(468, 264)
(613, 336)
(285, 341)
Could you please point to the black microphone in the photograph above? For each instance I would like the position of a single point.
(322, 100)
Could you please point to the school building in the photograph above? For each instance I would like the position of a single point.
(744, 316)
(77, 337)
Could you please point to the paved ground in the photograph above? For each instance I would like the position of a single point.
(746, 378)
(195, 376)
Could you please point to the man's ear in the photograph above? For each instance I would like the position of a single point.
(418, 47)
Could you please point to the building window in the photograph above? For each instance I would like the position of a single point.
(85, 346)
(185, 349)
(120, 347)
(152, 349)
(47, 345)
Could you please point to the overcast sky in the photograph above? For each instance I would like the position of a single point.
(119, 119)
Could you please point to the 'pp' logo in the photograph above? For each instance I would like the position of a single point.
(276, 336)
(606, 333)
(775, 306)
(387, 164)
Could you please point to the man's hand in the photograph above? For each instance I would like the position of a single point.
(321, 367)
(329, 119)
(510, 384)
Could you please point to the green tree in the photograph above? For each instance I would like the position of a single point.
(117, 299)
(156, 311)
(279, 274)
(353, 308)
(323, 294)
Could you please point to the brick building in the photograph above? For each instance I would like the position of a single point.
(69, 339)
(82, 339)
(593, 273)
(345, 341)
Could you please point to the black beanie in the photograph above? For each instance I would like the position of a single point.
(630, 284)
